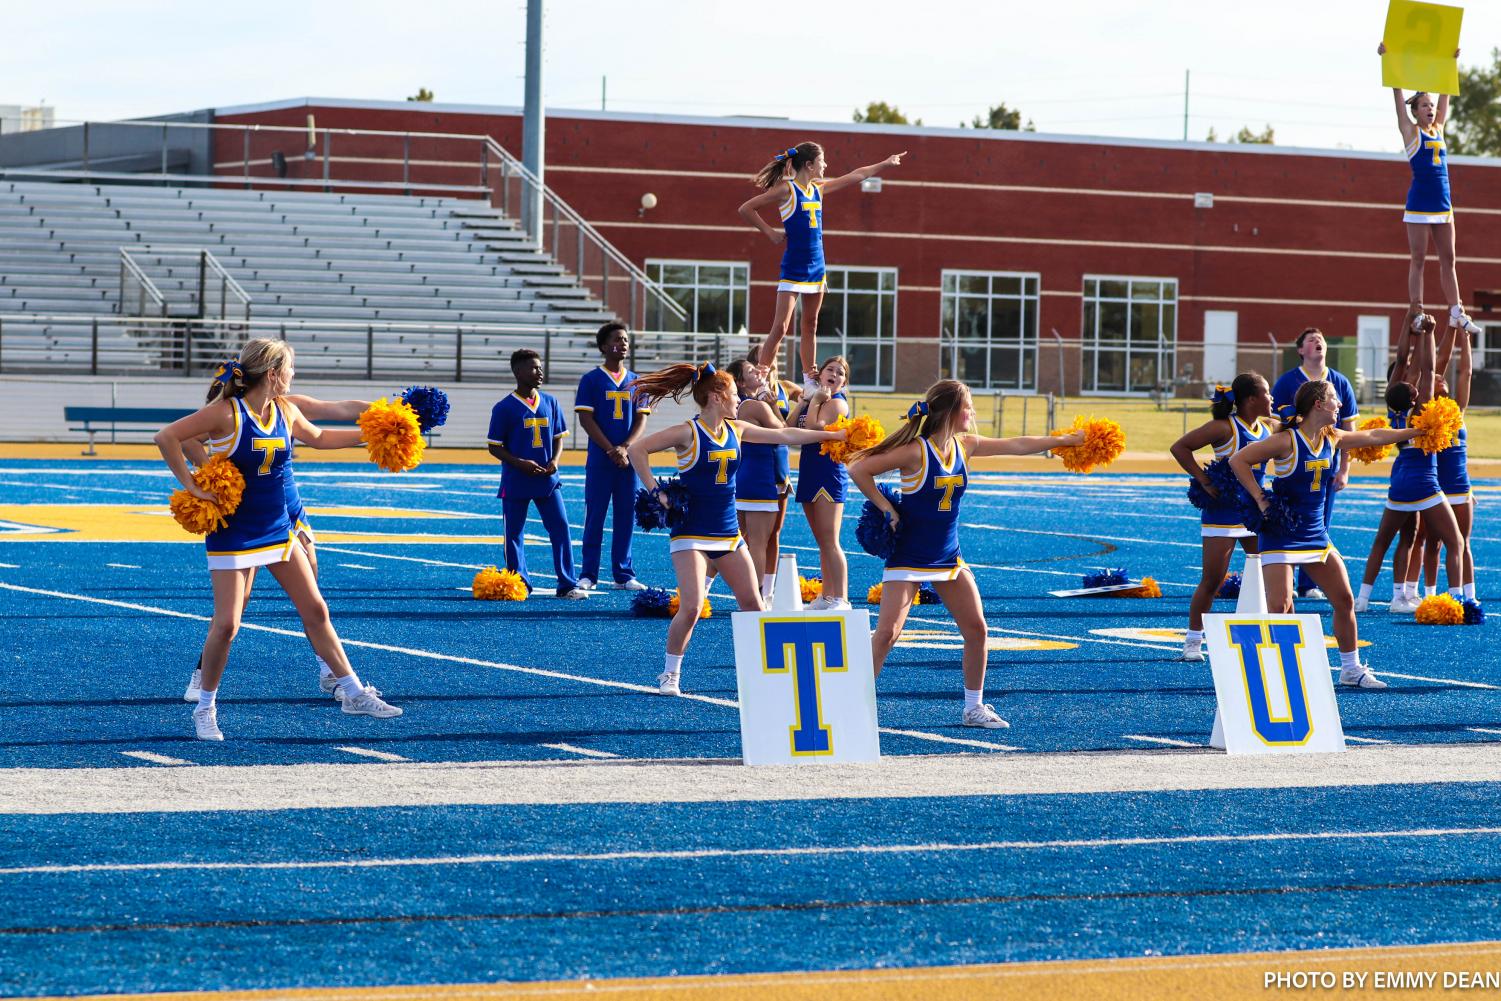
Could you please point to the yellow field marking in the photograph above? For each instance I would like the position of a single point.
(147, 523)
(944, 639)
(1170, 978)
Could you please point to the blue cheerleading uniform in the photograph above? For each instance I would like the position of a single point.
(802, 220)
(1454, 471)
(259, 532)
(708, 469)
(296, 513)
(529, 429)
(927, 537)
(1414, 485)
(1428, 195)
(818, 476)
(1223, 521)
(765, 471)
(608, 400)
(1302, 480)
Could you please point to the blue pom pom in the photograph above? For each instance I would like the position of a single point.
(1474, 612)
(650, 514)
(1229, 587)
(430, 403)
(1222, 478)
(1106, 578)
(653, 603)
(927, 594)
(1280, 516)
(873, 530)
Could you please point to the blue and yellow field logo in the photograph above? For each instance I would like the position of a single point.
(1283, 640)
(805, 649)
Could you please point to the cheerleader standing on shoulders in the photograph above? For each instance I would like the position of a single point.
(932, 452)
(1303, 459)
(1239, 416)
(708, 456)
(765, 474)
(823, 483)
(251, 422)
(794, 182)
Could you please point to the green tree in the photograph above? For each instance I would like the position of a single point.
(1245, 135)
(1213, 136)
(881, 113)
(1476, 117)
(1001, 117)
(423, 94)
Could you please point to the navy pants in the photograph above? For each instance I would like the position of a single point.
(555, 520)
(606, 484)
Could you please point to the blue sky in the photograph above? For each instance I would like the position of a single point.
(1073, 66)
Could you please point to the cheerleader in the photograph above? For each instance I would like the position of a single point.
(794, 182)
(708, 457)
(822, 483)
(1453, 466)
(1414, 494)
(252, 422)
(1303, 459)
(764, 478)
(931, 451)
(1428, 211)
(1240, 415)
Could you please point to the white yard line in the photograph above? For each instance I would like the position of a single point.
(155, 759)
(365, 752)
(584, 751)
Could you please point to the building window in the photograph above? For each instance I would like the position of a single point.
(988, 324)
(858, 320)
(1130, 334)
(714, 294)
(1486, 354)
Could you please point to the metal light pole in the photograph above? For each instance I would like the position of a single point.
(532, 129)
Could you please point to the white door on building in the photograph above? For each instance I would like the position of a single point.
(1372, 336)
(1220, 331)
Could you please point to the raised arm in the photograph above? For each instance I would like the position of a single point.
(676, 437)
(979, 446)
(1208, 435)
(1408, 127)
(1402, 364)
(1461, 387)
(328, 410)
(1244, 461)
(861, 173)
(785, 436)
(1375, 436)
(313, 436)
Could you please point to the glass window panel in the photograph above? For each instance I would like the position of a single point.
(713, 310)
(678, 274)
(974, 284)
(862, 280)
(950, 281)
(1110, 370)
(1112, 321)
(1113, 289)
(709, 275)
(862, 317)
(862, 359)
(1006, 285)
(888, 281)
(1145, 325)
(973, 318)
(1146, 290)
(1145, 374)
(1005, 368)
(1006, 319)
(1170, 291)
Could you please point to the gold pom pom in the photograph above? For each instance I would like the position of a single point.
(223, 479)
(860, 433)
(810, 587)
(393, 438)
(1148, 588)
(1372, 453)
(703, 613)
(499, 585)
(1440, 420)
(1104, 441)
(1440, 610)
(873, 596)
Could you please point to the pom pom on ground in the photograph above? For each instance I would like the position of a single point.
(491, 584)
(703, 613)
(927, 594)
(1222, 477)
(1104, 441)
(393, 438)
(1146, 589)
(223, 479)
(861, 432)
(1474, 612)
(1105, 578)
(650, 514)
(1440, 610)
(1229, 587)
(1372, 453)
(1440, 420)
(654, 603)
(811, 588)
(429, 403)
(873, 530)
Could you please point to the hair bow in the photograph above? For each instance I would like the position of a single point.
(1223, 394)
(704, 371)
(228, 371)
(789, 151)
(918, 410)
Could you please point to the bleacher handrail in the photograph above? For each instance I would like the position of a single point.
(129, 269)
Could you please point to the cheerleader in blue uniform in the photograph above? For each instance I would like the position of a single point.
(794, 182)
(1428, 212)
(708, 451)
(823, 483)
(1453, 467)
(765, 475)
(1414, 495)
(1303, 459)
(931, 452)
(1240, 415)
(251, 421)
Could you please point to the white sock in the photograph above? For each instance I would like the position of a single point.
(324, 671)
(1469, 590)
(1193, 639)
(674, 664)
(1349, 661)
(1365, 591)
(206, 698)
(1457, 593)
(350, 685)
(1399, 591)
(767, 580)
(1410, 589)
(1456, 310)
(972, 697)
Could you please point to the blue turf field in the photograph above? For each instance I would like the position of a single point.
(105, 633)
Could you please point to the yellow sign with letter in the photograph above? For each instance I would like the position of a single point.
(1421, 40)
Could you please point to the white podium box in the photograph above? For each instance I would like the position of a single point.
(1272, 684)
(807, 688)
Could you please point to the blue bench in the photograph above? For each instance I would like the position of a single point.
(131, 420)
